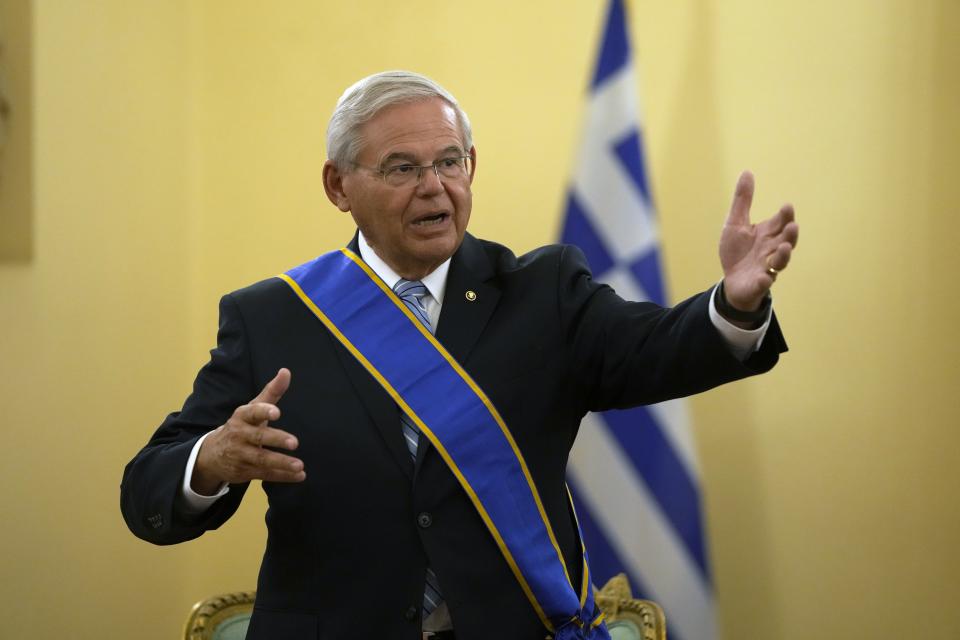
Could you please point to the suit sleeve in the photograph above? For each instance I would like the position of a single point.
(633, 353)
(150, 490)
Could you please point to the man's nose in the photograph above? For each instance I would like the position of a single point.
(430, 181)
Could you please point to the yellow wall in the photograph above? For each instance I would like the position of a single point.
(16, 114)
(177, 154)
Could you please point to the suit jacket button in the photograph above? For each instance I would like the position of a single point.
(424, 520)
(410, 613)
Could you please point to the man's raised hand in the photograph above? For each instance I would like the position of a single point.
(235, 451)
(753, 254)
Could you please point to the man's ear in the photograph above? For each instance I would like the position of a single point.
(333, 185)
(473, 162)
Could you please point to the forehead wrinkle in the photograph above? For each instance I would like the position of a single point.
(406, 150)
(411, 131)
(400, 155)
(410, 157)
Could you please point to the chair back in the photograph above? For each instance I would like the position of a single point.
(223, 617)
(630, 618)
(226, 617)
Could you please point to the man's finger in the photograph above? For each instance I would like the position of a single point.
(284, 476)
(791, 234)
(274, 390)
(257, 413)
(742, 200)
(261, 462)
(775, 225)
(782, 256)
(270, 437)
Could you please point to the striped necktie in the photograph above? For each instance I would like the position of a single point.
(412, 293)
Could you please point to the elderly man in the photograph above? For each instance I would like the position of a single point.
(410, 402)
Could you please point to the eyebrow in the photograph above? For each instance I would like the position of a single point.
(407, 157)
(412, 159)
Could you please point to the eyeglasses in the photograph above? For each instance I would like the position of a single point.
(406, 175)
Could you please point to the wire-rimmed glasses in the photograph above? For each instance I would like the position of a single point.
(406, 174)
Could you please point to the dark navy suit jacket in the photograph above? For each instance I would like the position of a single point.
(346, 550)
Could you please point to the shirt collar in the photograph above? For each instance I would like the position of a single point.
(435, 281)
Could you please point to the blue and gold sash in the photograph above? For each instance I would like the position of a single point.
(405, 358)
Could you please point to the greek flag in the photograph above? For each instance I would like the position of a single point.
(634, 474)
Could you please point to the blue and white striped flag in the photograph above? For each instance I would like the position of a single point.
(634, 474)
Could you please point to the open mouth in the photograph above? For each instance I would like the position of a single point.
(431, 220)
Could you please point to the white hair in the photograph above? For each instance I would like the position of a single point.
(367, 97)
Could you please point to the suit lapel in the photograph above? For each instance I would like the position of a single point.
(468, 302)
(383, 411)
(381, 408)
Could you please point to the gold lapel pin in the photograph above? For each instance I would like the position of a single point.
(470, 295)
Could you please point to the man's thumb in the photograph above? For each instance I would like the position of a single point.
(742, 199)
(274, 390)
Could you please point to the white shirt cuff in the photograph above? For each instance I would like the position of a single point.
(742, 342)
(193, 502)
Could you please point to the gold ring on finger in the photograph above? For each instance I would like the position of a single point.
(770, 268)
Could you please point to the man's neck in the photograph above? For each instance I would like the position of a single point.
(435, 279)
